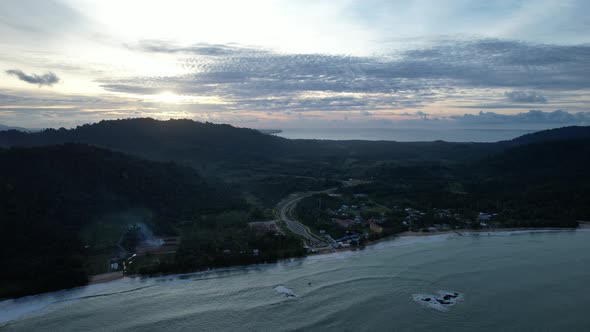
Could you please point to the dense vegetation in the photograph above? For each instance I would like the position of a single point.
(49, 195)
(206, 182)
(536, 185)
(236, 153)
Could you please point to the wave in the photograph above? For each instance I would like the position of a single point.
(286, 291)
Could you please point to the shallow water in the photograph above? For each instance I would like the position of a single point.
(516, 281)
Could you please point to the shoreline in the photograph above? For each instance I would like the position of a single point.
(459, 232)
(465, 231)
(19, 309)
(112, 276)
(106, 278)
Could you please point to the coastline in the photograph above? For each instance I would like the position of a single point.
(113, 283)
(464, 231)
(459, 232)
(104, 277)
(112, 276)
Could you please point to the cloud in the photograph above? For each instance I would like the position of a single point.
(422, 115)
(525, 97)
(157, 46)
(259, 79)
(31, 23)
(537, 117)
(47, 79)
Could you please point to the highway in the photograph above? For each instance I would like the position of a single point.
(285, 209)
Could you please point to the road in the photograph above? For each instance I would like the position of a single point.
(285, 209)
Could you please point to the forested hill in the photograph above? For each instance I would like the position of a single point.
(199, 144)
(4, 127)
(567, 158)
(173, 139)
(557, 134)
(48, 194)
(541, 184)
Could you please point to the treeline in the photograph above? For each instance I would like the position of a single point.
(47, 194)
(206, 248)
(535, 185)
(232, 153)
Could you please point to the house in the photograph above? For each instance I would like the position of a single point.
(374, 227)
(442, 213)
(263, 227)
(343, 222)
(352, 237)
(486, 216)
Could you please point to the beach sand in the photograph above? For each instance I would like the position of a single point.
(104, 277)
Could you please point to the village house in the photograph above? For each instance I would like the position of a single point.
(374, 227)
(343, 222)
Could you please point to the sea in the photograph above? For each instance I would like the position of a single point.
(405, 134)
(497, 281)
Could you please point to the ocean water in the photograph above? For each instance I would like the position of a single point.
(405, 134)
(509, 281)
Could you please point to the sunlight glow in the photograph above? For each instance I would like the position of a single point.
(169, 97)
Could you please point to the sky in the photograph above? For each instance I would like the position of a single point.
(292, 64)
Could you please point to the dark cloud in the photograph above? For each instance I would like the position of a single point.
(421, 114)
(558, 117)
(494, 106)
(525, 97)
(157, 46)
(47, 79)
(265, 80)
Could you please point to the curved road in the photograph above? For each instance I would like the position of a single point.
(285, 208)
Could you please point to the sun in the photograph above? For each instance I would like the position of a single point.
(168, 97)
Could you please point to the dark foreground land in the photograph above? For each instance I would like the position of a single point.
(178, 196)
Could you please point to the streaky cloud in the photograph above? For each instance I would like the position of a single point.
(47, 79)
(265, 80)
(557, 117)
(525, 97)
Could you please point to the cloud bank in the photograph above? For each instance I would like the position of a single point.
(533, 117)
(525, 97)
(47, 79)
(260, 79)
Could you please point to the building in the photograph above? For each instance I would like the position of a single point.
(114, 266)
(344, 222)
(374, 227)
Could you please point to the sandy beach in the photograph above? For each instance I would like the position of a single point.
(105, 277)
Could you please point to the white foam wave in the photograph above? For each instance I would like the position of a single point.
(284, 290)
